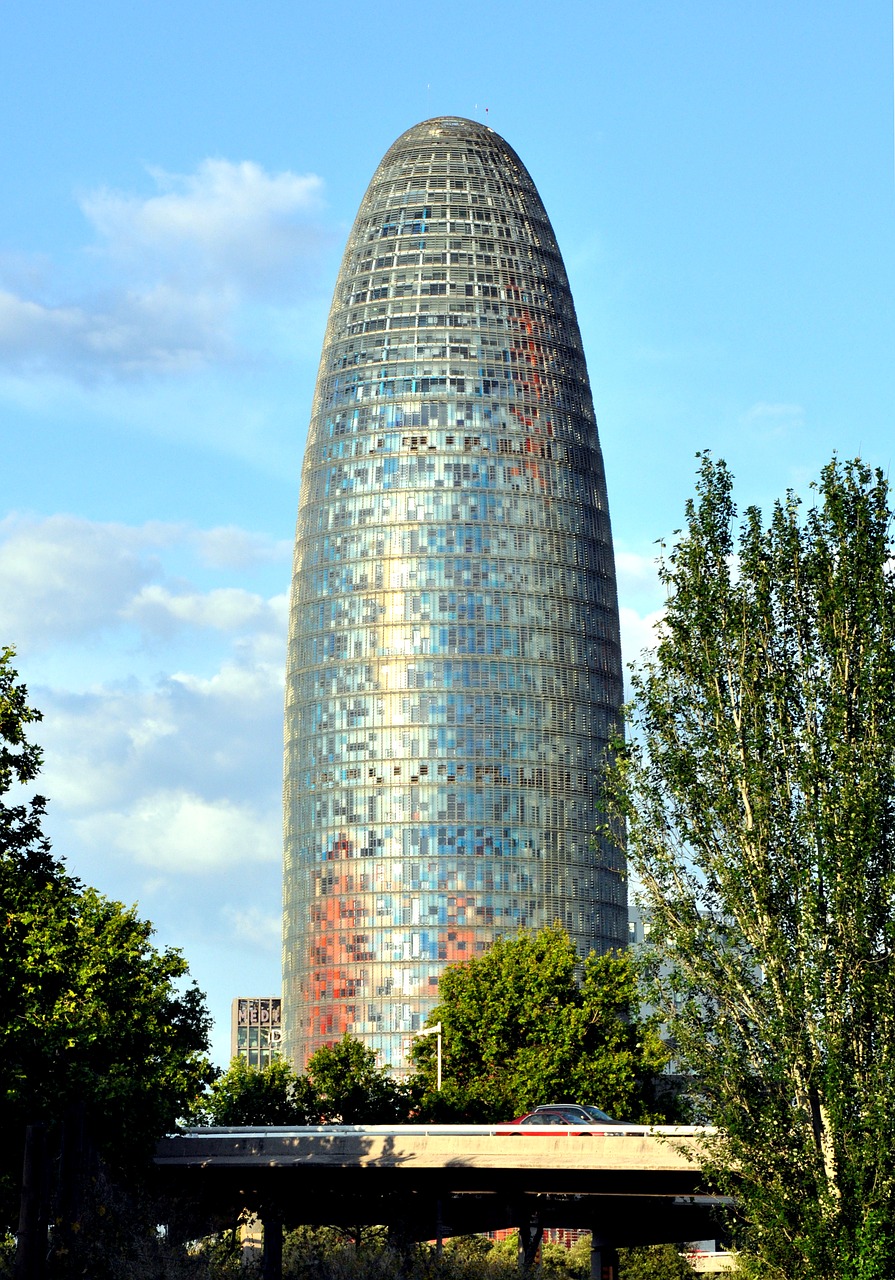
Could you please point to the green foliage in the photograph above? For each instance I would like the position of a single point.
(560, 1262)
(343, 1085)
(100, 1018)
(555, 1261)
(93, 1016)
(21, 837)
(220, 1256)
(653, 1262)
(351, 1089)
(577, 1259)
(521, 1029)
(117, 1238)
(307, 1250)
(471, 1249)
(327, 1254)
(759, 793)
(274, 1094)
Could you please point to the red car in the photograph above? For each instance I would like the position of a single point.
(584, 1114)
(573, 1117)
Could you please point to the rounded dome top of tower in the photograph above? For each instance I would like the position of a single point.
(446, 127)
(456, 139)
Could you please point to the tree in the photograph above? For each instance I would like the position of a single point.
(21, 837)
(95, 1021)
(343, 1085)
(759, 795)
(521, 1028)
(351, 1089)
(653, 1262)
(275, 1094)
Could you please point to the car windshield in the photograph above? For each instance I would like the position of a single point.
(597, 1114)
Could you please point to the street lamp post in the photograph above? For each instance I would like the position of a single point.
(435, 1031)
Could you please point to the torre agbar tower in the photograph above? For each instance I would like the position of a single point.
(454, 669)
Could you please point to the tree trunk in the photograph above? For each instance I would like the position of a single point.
(31, 1245)
(272, 1254)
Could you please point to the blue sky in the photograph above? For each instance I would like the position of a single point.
(179, 183)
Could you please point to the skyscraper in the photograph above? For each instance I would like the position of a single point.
(454, 669)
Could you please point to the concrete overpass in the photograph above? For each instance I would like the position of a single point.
(628, 1185)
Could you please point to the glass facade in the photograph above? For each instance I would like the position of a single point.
(453, 668)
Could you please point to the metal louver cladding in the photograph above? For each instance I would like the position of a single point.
(454, 670)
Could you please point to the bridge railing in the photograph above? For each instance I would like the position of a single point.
(447, 1130)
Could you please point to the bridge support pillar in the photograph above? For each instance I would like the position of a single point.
(439, 1228)
(531, 1232)
(272, 1248)
(603, 1260)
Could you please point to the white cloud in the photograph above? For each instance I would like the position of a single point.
(217, 736)
(773, 419)
(636, 574)
(171, 274)
(228, 547)
(157, 609)
(160, 331)
(639, 632)
(63, 577)
(182, 834)
(249, 679)
(253, 927)
(226, 221)
(641, 599)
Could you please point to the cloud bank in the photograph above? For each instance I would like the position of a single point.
(163, 778)
(226, 224)
(64, 577)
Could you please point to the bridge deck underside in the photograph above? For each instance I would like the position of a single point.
(623, 1194)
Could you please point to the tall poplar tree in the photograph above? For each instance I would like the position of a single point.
(758, 788)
